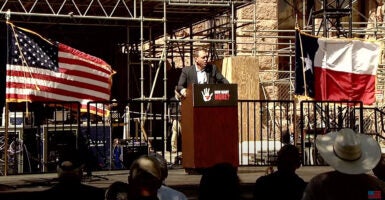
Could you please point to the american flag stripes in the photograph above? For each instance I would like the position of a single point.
(374, 194)
(42, 70)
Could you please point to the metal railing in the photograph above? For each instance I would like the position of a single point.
(41, 130)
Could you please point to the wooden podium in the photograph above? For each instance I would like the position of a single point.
(210, 125)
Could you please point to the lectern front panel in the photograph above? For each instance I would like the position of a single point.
(210, 126)
(212, 95)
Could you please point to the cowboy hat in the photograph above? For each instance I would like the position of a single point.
(349, 152)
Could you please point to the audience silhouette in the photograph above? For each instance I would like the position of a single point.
(379, 169)
(118, 190)
(352, 155)
(145, 178)
(165, 192)
(220, 181)
(283, 183)
(70, 175)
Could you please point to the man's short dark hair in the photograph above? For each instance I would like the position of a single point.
(197, 50)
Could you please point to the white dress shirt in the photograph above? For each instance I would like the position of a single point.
(201, 75)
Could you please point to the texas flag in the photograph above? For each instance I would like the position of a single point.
(331, 69)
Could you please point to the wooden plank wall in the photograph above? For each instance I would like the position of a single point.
(244, 71)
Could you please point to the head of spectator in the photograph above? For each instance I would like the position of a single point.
(288, 159)
(379, 169)
(70, 175)
(70, 166)
(162, 164)
(220, 181)
(165, 192)
(145, 177)
(283, 183)
(349, 152)
(116, 142)
(352, 155)
(118, 190)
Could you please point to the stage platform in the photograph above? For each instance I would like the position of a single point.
(177, 178)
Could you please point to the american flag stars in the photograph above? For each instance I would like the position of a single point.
(34, 53)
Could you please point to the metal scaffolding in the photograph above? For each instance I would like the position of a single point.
(152, 29)
(158, 33)
(331, 13)
(163, 31)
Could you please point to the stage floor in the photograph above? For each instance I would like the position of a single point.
(177, 177)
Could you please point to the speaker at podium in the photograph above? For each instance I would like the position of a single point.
(209, 122)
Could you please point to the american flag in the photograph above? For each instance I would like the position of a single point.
(43, 70)
(374, 194)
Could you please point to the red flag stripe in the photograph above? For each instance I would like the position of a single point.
(93, 109)
(50, 92)
(336, 86)
(87, 58)
(61, 82)
(345, 69)
(74, 71)
(41, 70)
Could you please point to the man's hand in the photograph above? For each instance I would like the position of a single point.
(178, 96)
(183, 92)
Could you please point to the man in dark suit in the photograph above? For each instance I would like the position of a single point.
(199, 73)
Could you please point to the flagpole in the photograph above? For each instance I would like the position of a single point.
(303, 63)
(6, 111)
(301, 49)
(6, 115)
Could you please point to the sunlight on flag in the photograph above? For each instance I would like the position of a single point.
(43, 70)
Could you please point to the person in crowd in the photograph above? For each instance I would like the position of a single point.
(145, 178)
(375, 20)
(379, 169)
(200, 73)
(288, 135)
(283, 183)
(220, 181)
(117, 150)
(352, 155)
(165, 192)
(175, 122)
(70, 174)
(118, 190)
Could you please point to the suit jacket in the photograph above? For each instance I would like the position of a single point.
(189, 76)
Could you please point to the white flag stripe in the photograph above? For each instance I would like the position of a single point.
(95, 66)
(81, 68)
(55, 86)
(66, 77)
(45, 94)
(350, 56)
(366, 57)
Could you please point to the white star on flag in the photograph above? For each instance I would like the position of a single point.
(308, 63)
